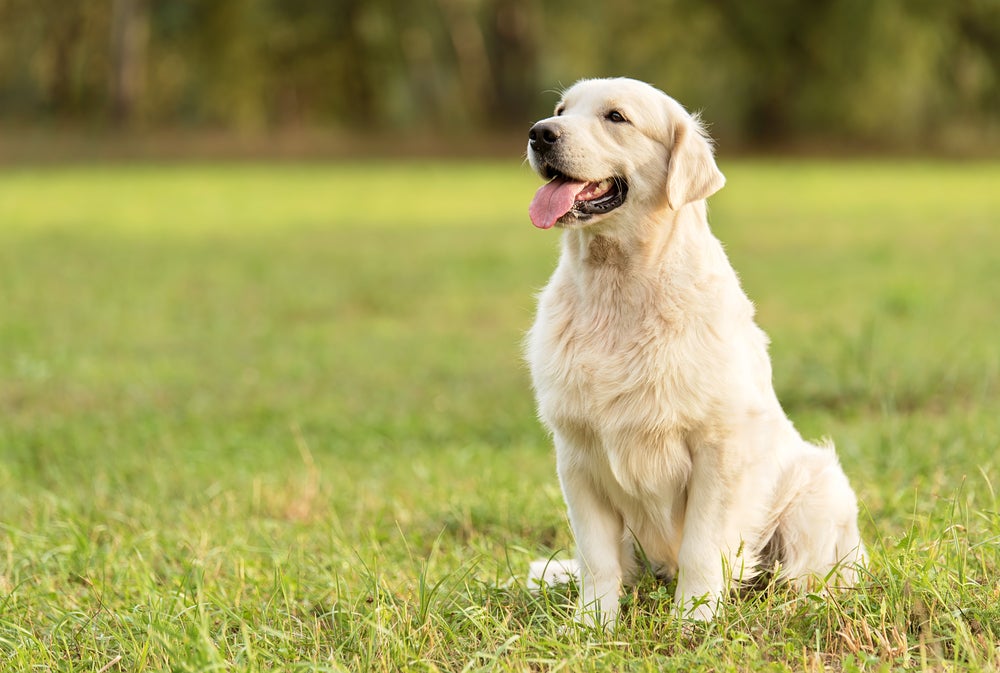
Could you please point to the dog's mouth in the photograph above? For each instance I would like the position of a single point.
(563, 199)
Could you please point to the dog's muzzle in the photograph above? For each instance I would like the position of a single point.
(567, 198)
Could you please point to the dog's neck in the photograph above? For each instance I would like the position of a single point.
(604, 251)
(635, 247)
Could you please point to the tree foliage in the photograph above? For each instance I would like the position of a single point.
(900, 71)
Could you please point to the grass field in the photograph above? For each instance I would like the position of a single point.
(274, 417)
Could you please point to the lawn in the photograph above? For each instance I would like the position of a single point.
(274, 417)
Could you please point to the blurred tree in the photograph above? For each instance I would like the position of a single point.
(231, 64)
(977, 50)
(512, 38)
(896, 71)
(471, 59)
(65, 28)
(53, 58)
(779, 41)
(129, 36)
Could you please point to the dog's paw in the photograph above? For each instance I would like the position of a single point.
(551, 572)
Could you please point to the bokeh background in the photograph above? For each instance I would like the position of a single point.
(464, 76)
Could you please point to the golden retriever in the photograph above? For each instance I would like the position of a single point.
(653, 377)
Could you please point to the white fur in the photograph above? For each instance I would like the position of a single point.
(549, 572)
(655, 381)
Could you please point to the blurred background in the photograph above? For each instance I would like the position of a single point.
(468, 76)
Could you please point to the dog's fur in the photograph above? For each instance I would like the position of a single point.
(655, 381)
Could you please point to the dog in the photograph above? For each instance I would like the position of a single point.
(672, 450)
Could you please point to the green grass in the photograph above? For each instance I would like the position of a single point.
(262, 418)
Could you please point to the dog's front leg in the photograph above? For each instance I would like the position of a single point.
(721, 508)
(599, 532)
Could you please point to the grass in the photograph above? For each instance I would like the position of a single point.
(261, 418)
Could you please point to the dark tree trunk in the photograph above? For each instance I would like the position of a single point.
(514, 60)
(67, 31)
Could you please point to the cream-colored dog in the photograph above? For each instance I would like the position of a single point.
(653, 377)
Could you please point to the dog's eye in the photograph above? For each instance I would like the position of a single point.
(560, 110)
(616, 117)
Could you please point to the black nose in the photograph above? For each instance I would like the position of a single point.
(543, 136)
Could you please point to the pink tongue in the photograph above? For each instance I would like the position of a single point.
(553, 200)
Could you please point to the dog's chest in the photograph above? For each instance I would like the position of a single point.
(623, 383)
(607, 363)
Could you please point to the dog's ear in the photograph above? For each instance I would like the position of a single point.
(691, 171)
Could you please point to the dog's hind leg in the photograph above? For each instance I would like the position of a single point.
(817, 532)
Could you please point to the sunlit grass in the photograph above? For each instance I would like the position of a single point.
(275, 418)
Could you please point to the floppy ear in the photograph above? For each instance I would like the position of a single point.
(691, 171)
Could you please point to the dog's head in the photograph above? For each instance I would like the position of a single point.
(615, 145)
